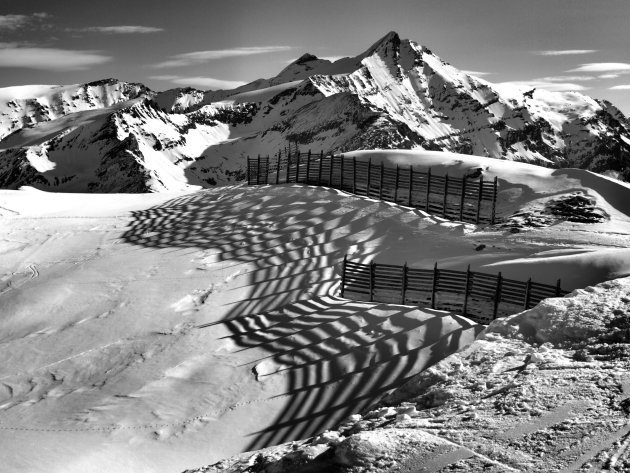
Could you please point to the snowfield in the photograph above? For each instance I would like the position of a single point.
(156, 332)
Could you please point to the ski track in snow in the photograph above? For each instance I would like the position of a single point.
(33, 269)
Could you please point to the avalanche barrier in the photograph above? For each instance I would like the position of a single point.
(465, 199)
(474, 294)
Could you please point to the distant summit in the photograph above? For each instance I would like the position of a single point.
(305, 58)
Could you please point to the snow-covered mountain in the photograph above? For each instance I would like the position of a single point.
(24, 106)
(114, 136)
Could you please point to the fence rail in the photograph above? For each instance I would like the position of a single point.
(456, 198)
(480, 296)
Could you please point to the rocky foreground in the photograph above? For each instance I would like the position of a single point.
(547, 389)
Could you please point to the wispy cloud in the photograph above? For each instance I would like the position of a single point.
(164, 77)
(565, 79)
(208, 82)
(49, 59)
(123, 29)
(608, 76)
(621, 87)
(602, 67)
(200, 57)
(565, 52)
(17, 22)
(477, 73)
(547, 85)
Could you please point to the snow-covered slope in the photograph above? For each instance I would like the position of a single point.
(397, 94)
(157, 332)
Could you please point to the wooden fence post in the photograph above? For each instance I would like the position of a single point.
(288, 166)
(479, 199)
(396, 185)
(528, 290)
(319, 170)
(434, 285)
(558, 290)
(428, 189)
(342, 168)
(278, 170)
(445, 195)
(367, 191)
(380, 186)
(297, 167)
(258, 171)
(343, 274)
(308, 166)
(372, 271)
(461, 200)
(403, 295)
(466, 289)
(410, 184)
(330, 171)
(494, 200)
(497, 296)
(354, 174)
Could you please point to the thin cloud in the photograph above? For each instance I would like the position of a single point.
(200, 57)
(620, 87)
(123, 29)
(477, 73)
(18, 22)
(546, 85)
(565, 79)
(608, 76)
(602, 67)
(50, 59)
(208, 82)
(164, 77)
(565, 52)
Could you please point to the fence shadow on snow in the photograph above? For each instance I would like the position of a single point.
(289, 244)
(338, 357)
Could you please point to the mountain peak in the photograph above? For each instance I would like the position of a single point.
(385, 46)
(304, 58)
(390, 38)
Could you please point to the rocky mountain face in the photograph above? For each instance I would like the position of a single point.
(112, 136)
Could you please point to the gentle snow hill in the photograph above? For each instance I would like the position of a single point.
(122, 295)
(397, 94)
(196, 325)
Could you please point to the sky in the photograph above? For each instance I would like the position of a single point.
(556, 44)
